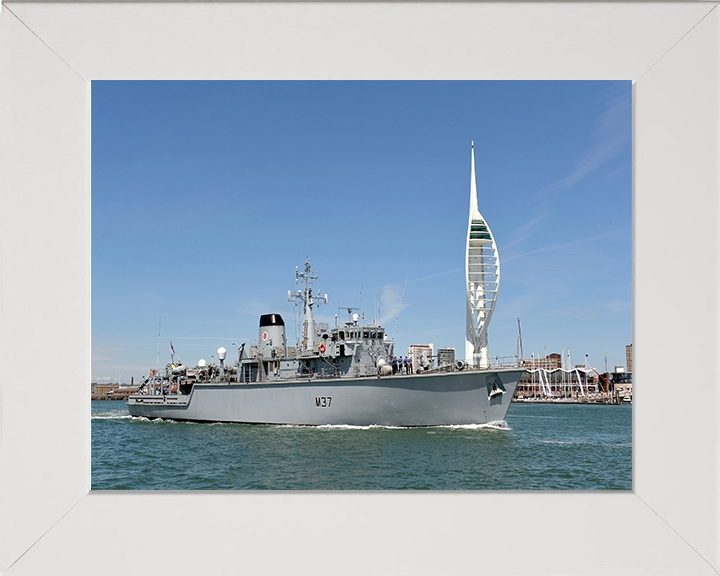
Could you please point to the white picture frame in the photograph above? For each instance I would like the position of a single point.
(50, 522)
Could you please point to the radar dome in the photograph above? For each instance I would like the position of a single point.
(202, 363)
(221, 353)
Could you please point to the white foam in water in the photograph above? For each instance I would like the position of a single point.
(501, 425)
(353, 426)
(340, 426)
(498, 425)
(564, 442)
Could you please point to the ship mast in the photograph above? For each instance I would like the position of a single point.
(306, 297)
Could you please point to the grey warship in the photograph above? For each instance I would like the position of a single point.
(342, 375)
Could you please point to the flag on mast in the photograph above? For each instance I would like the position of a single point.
(172, 349)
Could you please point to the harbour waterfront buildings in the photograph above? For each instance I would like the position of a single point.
(482, 275)
(547, 379)
(550, 362)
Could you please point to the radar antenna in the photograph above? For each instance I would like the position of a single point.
(349, 311)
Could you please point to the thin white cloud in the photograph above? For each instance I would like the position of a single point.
(611, 135)
(524, 232)
(565, 245)
(392, 303)
(617, 306)
(252, 308)
(436, 275)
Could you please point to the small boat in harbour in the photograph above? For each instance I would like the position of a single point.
(342, 375)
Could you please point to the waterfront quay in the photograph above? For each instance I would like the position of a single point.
(111, 391)
(592, 398)
(546, 381)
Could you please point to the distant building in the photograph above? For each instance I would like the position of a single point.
(628, 357)
(103, 389)
(446, 357)
(622, 382)
(561, 383)
(111, 391)
(550, 362)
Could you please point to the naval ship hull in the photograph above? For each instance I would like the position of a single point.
(434, 399)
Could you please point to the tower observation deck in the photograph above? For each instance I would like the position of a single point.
(482, 274)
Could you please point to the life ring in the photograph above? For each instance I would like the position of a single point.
(152, 372)
(321, 347)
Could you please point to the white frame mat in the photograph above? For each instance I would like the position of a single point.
(50, 521)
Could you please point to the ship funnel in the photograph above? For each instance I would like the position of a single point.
(271, 336)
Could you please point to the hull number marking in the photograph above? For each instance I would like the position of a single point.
(323, 401)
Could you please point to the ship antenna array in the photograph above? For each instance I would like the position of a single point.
(349, 311)
(306, 296)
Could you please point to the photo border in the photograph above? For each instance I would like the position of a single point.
(49, 520)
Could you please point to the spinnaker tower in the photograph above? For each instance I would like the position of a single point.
(482, 274)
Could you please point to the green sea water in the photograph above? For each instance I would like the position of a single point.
(547, 447)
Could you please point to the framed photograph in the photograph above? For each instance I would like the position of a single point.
(374, 194)
(49, 518)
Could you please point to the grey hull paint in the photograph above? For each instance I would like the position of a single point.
(436, 399)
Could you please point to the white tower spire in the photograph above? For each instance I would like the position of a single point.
(482, 274)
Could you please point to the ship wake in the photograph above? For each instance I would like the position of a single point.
(496, 425)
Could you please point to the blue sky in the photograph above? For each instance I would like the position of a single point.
(207, 195)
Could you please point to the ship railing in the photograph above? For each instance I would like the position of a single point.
(496, 362)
